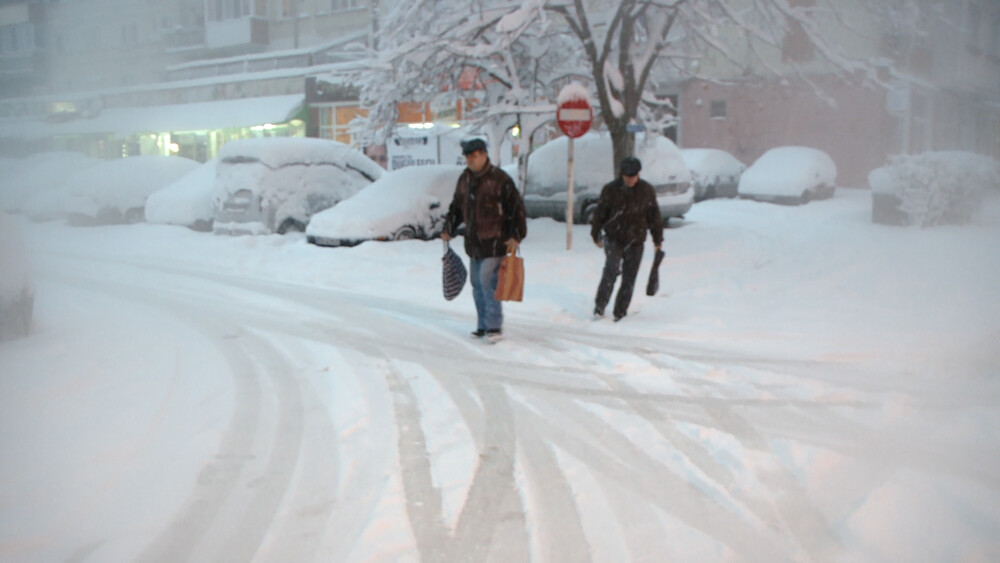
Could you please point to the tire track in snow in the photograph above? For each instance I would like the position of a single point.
(218, 522)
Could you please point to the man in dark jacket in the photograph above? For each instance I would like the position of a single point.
(489, 204)
(626, 210)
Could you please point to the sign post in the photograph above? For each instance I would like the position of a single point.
(574, 117)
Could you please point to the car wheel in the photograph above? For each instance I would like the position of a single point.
(134, 215)
(289, 225)
(588, 212)
(405, 233)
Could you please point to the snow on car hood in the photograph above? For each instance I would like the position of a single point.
(401, 197)
(788, 171)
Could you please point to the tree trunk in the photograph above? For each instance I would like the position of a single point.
(622, 143)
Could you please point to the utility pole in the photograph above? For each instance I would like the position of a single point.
(375, 28)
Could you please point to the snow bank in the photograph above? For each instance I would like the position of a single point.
(121, 185)
(25, 179)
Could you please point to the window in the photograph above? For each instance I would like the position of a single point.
(336, 5)
(717, 109)
(130, 34)
(230, 9)
(17, 38)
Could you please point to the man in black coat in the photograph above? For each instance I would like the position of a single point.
(488, 202)
(626, 210)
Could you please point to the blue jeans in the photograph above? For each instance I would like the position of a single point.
(484, 274)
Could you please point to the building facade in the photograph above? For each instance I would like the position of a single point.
(71, 70)
(936, 86)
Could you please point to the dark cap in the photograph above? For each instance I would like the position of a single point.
(472, 145)
(630, 166)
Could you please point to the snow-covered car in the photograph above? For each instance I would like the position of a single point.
(17, 291)
(112, 191)
(790, 175)
(714, 172)
(545, 194)
(409, 203)
(31, 177)
(187, 201)
(276, 184)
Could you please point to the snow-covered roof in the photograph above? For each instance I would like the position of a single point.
(177, 117)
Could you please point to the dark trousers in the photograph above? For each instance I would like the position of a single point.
(621, 259)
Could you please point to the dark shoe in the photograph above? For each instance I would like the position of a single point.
(598, 311)
(619, 317)
(494, 335)
(478, 333)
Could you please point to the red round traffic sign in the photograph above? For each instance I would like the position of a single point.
(574, 117)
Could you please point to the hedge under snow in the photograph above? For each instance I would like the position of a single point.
(937, 187)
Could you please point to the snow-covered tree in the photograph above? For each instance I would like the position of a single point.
(630, 44)
(430, 49)
(624, 47)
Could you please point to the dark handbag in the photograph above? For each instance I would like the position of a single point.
(453, 273)
(654, 275)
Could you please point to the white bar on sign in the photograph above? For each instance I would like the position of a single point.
(571, 114)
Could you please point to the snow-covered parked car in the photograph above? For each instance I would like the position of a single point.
(112, 191)
(17, 291)
(931, 188)
(187, 201)
(790, 175)
(276, 184)
(545, 194)
(714, 172)
(409, 203)
(31, 177)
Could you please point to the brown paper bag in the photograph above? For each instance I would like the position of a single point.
(510, 286)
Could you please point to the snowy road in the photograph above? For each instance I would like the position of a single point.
(254, 418)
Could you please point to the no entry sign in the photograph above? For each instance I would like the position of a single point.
(574, 117)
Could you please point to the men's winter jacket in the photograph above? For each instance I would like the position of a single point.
(492, 210)
(625, 214)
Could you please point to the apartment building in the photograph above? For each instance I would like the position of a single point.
(104, 76)
(936, 86)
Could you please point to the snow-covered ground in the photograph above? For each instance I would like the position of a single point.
(807, 386)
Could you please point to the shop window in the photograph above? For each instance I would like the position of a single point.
(335, 122)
